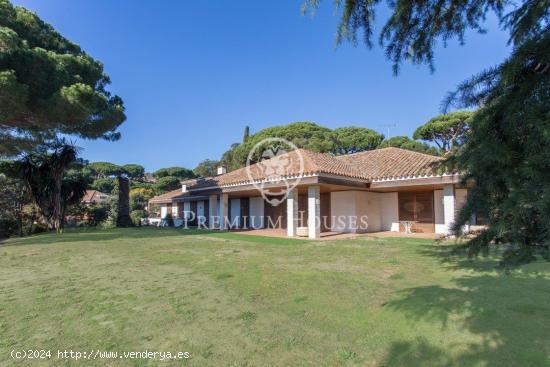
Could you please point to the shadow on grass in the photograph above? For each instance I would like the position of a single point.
(98, 235)
(454, 256)
(508, 313)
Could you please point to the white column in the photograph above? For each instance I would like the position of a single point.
(448, 207)
(292, 212)
(212, 210)
(223, 213)
(186, 210)
(314, 211)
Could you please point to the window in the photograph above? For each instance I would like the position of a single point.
(416, 206)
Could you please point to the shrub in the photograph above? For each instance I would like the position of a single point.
(137, 201)
(167, 183)
(169, 220)
(97, 213)
(8, 227)
(113, 211)
(39, 228)
(136, 216)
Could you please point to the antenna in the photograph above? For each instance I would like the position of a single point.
(387, 126)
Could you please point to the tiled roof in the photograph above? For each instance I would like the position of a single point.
(291, 164)
(168, 196)
(377, 164)
(93, 196)
(392, 163)
(380, 164)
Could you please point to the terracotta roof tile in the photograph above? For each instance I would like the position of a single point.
(386, 163)
(94, 196)
(168, 196)
(294, 163)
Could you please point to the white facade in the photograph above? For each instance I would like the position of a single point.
(213, 211)
(382, 210)
(223, 211)
(389, 211)
(187, 210)
(235, 213)
(354, 211)
(292, 212)
(449, 208)
(200, 208)
(256, 212)
(362, 211)
(314, 211)
(439, 215)
(350, 211)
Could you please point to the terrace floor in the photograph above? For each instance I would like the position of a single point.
(325, 236)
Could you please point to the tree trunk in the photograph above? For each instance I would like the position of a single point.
(123, 218)
(56, 204)
(19, 215)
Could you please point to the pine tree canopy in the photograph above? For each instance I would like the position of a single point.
(354, 139)
(49, 86)
(179, 172)
(206, 168)
(404, 142)
(447, 131)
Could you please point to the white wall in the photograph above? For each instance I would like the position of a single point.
(368, 206)
(234, 215)
(342, 205)
(389, 212)
(349, 209)
(256, 212)
(449, 203)
(381, 211)
(163, 211)
(200, 208)
(187, 210)
(439, 212)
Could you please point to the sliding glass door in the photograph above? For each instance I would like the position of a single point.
(417, 206)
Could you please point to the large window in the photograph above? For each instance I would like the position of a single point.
(417, 206)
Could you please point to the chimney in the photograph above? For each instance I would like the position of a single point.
(183, 188)
(222, 170)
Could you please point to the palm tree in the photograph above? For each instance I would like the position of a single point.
(43, 172)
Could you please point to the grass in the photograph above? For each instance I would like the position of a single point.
(235, 300)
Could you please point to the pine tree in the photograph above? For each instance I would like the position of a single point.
(49, 86)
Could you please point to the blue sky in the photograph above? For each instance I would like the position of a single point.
(193, 73)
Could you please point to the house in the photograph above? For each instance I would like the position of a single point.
(94, 197)
(388, 189)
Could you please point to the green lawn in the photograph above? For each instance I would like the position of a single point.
(234, 300)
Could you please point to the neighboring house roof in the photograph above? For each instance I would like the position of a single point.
(380, 164)
(148, 177)
(94, 196)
